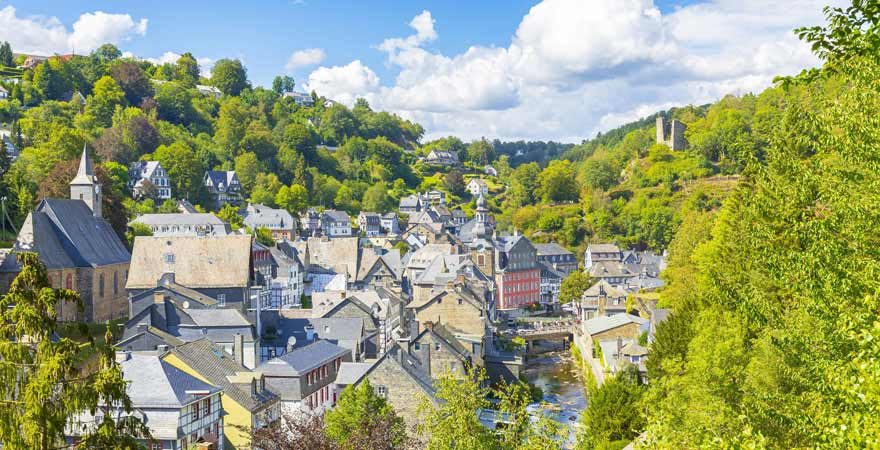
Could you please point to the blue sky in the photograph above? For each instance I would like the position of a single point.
(554, 69)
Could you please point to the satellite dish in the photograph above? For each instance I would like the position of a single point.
(186, 304)
(291, 343)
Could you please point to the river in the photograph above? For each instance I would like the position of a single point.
(557, 375)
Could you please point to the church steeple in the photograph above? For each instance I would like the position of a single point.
(481, 216)
(85, 186)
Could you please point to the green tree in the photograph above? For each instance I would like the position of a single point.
(186, 71)
(42, 386)
(247, 167)
(557, 182)
(376, 198)
(230, 215)
(184, 169)
(48, 81)
(230, 76)
(106, 96)
(231, 127)
(282, 84)
(613, 412)
(452, 423)
(6, 57)
(174, 103)
(337, 123)
(107, 52)
(294, 198)
(454, 182)
(132, 80)
(264, 236)
(361, 416)
(573, 286)
(481, 152)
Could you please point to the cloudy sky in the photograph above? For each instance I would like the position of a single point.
(554, 69)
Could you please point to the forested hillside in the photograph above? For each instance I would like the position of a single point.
(773, 338)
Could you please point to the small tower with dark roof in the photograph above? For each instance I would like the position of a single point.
(85, 186)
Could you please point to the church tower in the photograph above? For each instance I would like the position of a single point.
(482, 227)
(85, 185)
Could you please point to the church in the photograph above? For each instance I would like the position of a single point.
(79, 248)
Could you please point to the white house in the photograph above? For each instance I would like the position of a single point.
(478, 186)
(489, 170)
(301, 98)
(335, 223)
(142, 173)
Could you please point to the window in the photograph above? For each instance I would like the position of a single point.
(417, 346)
(156, 446)
(221, 299)
(115, 283)
(437, 347)
(101, 285)
(68, 282)
(207, 406)
(195, 410)
(168, 258)
(460, 301)
(382, 391)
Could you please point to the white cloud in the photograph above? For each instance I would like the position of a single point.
(47, 35)
(575, 67)
(303, 58)
(344, 83)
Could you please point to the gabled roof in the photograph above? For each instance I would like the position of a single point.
(603, 287)
(610, 269)
(218, 367)
(65, 233)
(220, 179)
(479, 181)
(601, 324)
(441, 333)
(411, 366)
(153, 383)
(371, 259)
(304, 359)
(181, 219)
(196, 262)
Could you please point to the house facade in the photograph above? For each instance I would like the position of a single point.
(370, 223)
(335, 223)
(477, 186)
(223, 187)
(149, 177)
(517, 274)
(305, 377)
(557, 257)
(279, 222)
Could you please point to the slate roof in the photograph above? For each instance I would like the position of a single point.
(338, 254)
(343, 331)
(304, 359)
(551, 249)
(153, 383)
(263, 216)
(217, 366)
(602, 286)
(351, 372)
(198, 262)
(610, 269)
(601, 324)
(65, 233)
(220, 179)
(603, 248)
(336, 216)
(410, 201)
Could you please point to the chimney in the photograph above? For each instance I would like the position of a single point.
(122, 356)
(238, 348)
(619, 346)
(141, 327)
(158, 298)
(161, 348)
(310, 333)
(413, 328)
(429, 325)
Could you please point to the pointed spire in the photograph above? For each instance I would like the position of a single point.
(85, 174)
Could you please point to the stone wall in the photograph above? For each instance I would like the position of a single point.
(401, 391)
(455, 313)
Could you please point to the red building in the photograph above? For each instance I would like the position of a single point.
(517, 275)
